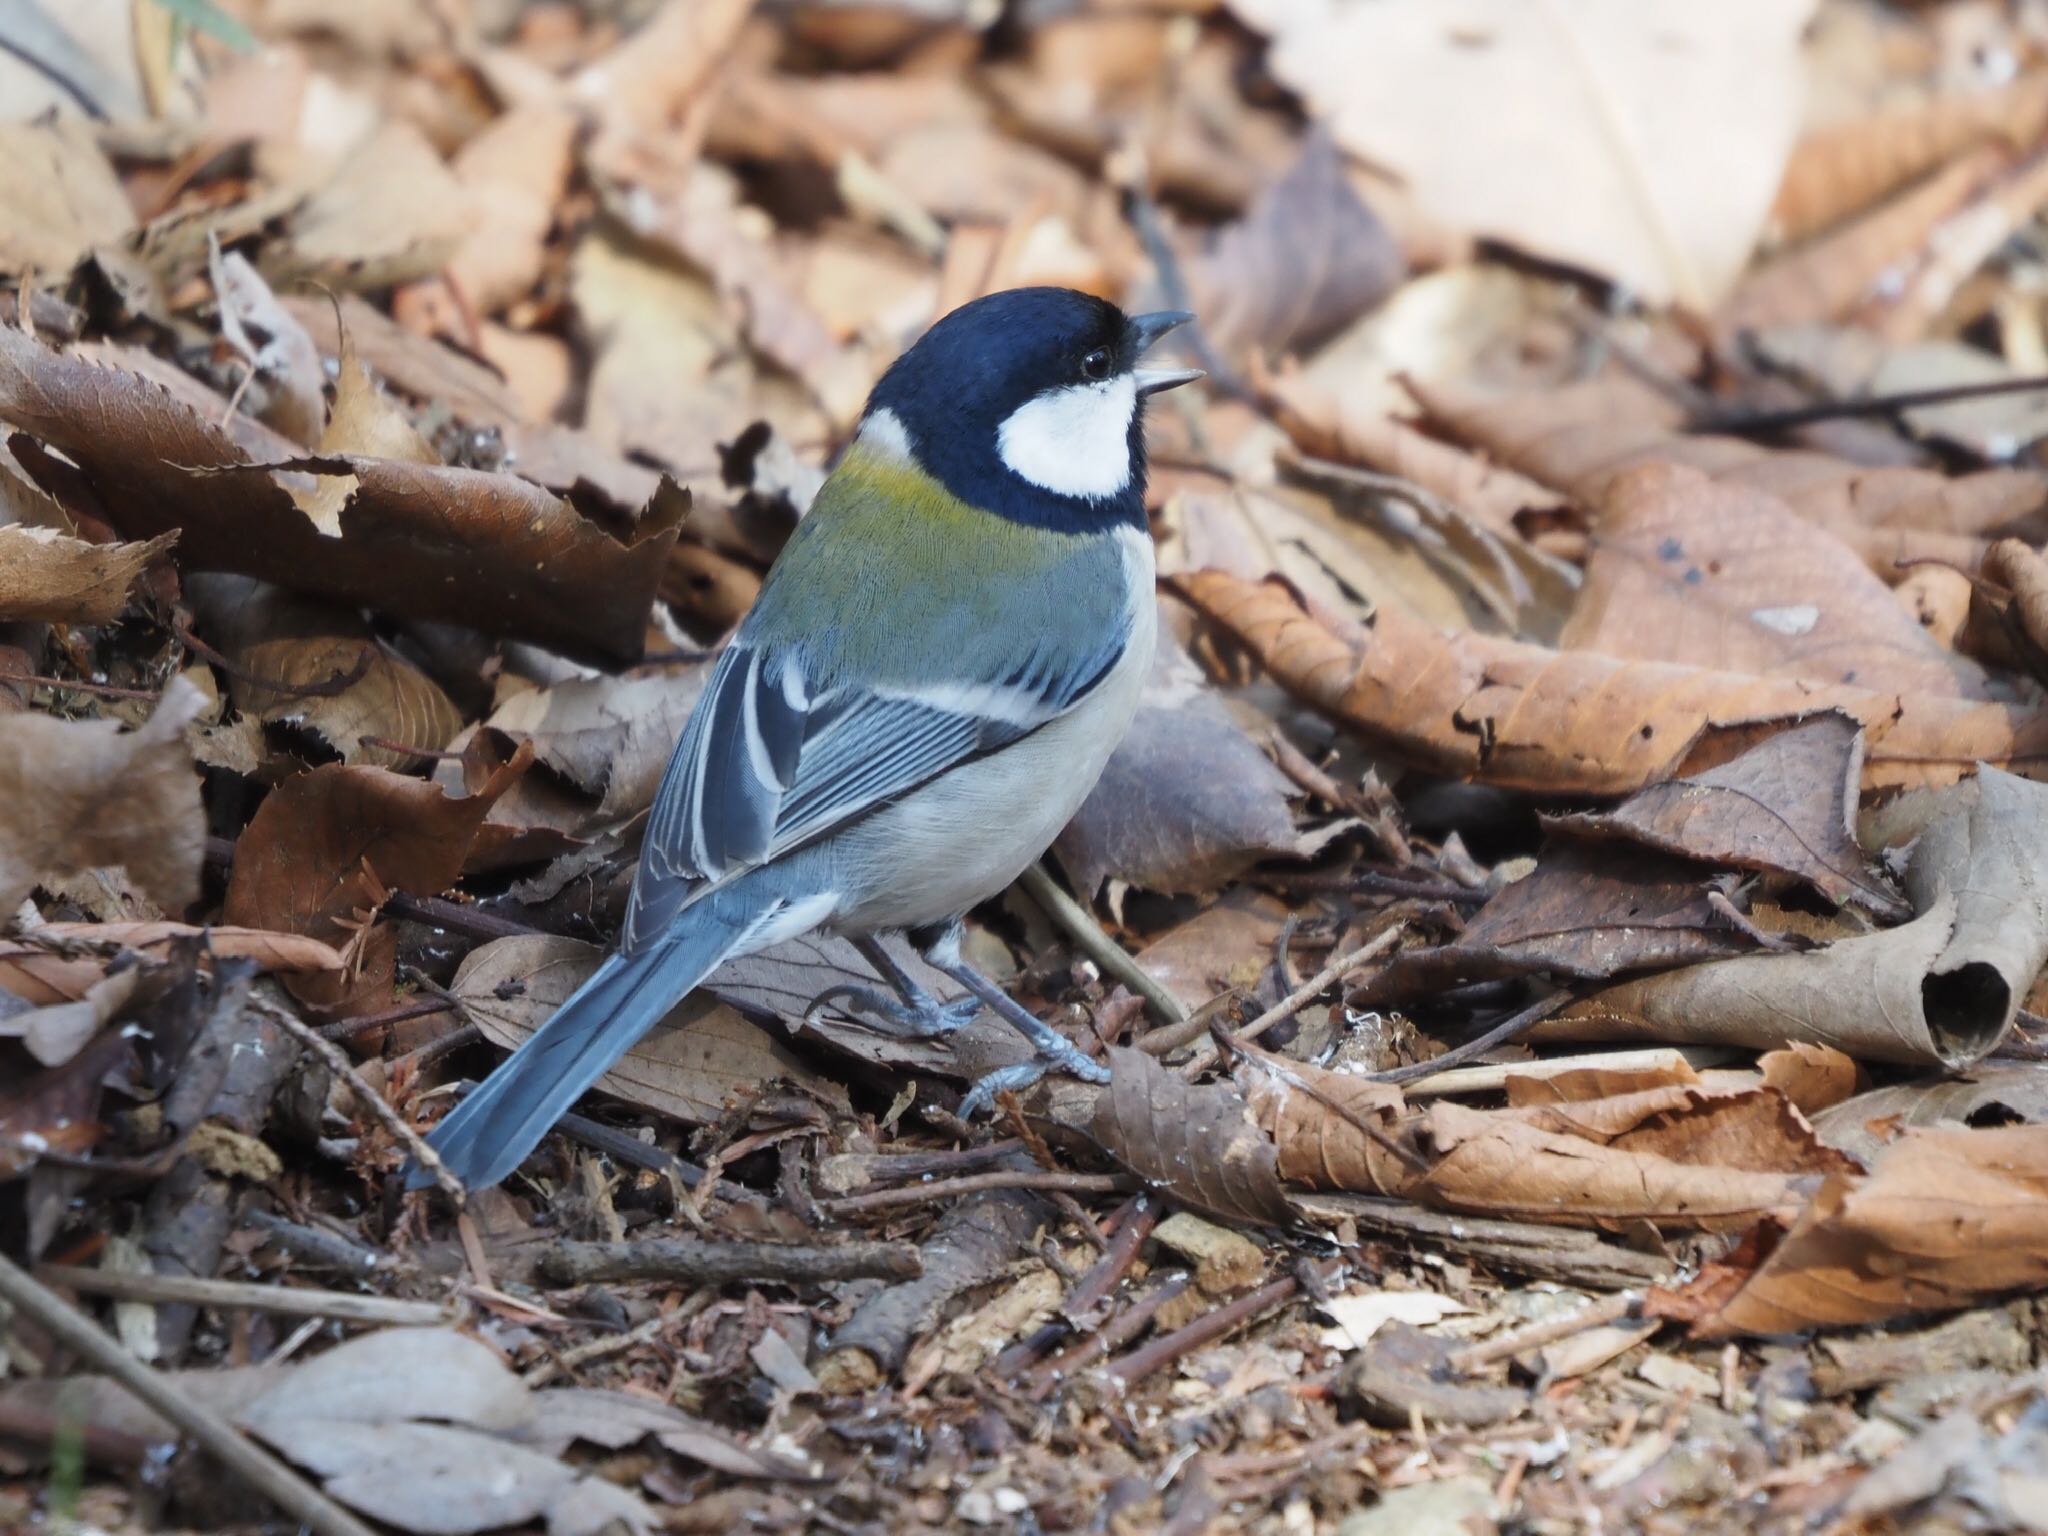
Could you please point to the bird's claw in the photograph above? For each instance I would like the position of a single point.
(877, 1010)
(1024, 1074)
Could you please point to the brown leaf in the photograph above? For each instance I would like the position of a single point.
(41, 976)
(292, 396)
(1526, 717)
(489, 550)
(1813, 1078)
(52, 579)
(515, 171)
(393, 211)
(1228, 944)
(1989, 1093)
(322, 850)
(609, 736)
(76, 794)
(1945, 1219)
(2008, 615)
(1307, 258)
(57, 1109)
(1786, 806)
(1844, 167)
(55, 1033)
(1187, 800)
(1195, 1142)
(363, 421)
(58, 196)
(1685, 570)
(699, 1059)
(303, 646)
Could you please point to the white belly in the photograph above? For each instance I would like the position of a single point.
(967, 835)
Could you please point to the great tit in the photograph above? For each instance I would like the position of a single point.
(938, 666)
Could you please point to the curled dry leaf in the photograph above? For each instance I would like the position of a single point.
(1526, 717)
(57, 1032)
(1307, 258)
(1786, 806)
(609, 736)
(1197, 1142)
(49, 578)
(2008, 614)
(42, 975)
(702, 1056)
(75, 795)
(288, 653)
(1941, 990)
(321, 852)
(1686, 570)
(292, 396)
(1188, 799)
(489, 550)
(1945, 1219)
(1993, 1092)
(515, 171)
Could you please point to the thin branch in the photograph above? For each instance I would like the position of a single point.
(1744, 423)
(1109, 956)
(1299, 998)
(1499, 1035)
(290, 1301)
(213, 1433)
(941, 1190)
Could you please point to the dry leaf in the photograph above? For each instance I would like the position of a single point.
(52, 579)
(611, 737)
(1196, 1142)
(1662, 131)
(270, 340)
(701, 1057)
(1187, 801)
(392, 212)
(58, 196)
(43, 976)
(1785, 806)
(1990, 1093)
(485, 549)
(77, 794)
(55, 1033)
(1571, 722)
(515, 172)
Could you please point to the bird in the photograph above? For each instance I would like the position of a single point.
(938, 666)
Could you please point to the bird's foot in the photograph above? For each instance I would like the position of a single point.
(1016, 1079)
(922, 1018)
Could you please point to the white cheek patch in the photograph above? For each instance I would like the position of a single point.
(1074, 441)
(883, 433)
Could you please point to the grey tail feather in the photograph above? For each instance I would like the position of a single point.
(492, 1130)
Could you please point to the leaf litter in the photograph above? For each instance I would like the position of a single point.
(1568, 912)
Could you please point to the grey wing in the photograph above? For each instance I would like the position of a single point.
(769, 762)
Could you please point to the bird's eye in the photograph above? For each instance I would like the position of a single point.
(1096, 364)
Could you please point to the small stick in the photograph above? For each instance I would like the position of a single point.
(597, 1349)
(317, 1248)
(974, 1183)
(1207, 1328)
(1609, 1309)
(1499, 1035)
(337, 1062)
(285, 1300)
(721, 1261)
(1742, 423)
(1294, 1001)
(105, 690)
(1114, 960)
(1141, 1214)
(418, 1008)
(213, 1433)
(1117, 1331)
(452, 916)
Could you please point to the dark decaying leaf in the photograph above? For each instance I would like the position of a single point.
(1309, 256)
(489, 550)
(1786, 806)
(57, 1109)
(1187, 800)
(1197, 1142)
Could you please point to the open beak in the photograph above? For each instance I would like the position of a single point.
(1145, 330)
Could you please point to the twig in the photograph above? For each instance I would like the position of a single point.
(1141, 1215)
(721, 1261)
(1743, 423)
(597, 1349)
(108, 690)
(1499, 1035)
(1609, 1309)
(946, 1189)
(317, 1248)
(214, 1434)
(1114, 960)
(332, 686)
(1116, 1332)
(418, 1008)
(1144, 216)
(285, 1300)
(1294, 1001)
(1207, 1328)
(336, 1061)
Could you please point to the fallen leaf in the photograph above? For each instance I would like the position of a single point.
(1682, 569)
(1569, 721)
(1361, 1314)
(1187, 801)
(485, 549)
(691, 1066)
(58, 196)
(363, 421)
(563, 1416)
(1227, 944)
(1196, 1142)
(59, 1031)
(1652, 174)
(76, 794)
(57, 1109)
(1308, 257)
(392, 211)
(1785, 806)
(42, 976)
(321, 851)
(611, 737)
(49, 578)
(271, 341)
(514, 171)
(1989, 1093)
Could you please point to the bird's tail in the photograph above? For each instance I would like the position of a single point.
(490, 1132)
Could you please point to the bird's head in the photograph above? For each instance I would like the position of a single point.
(1029, 403)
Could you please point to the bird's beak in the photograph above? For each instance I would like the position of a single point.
(1146, 330)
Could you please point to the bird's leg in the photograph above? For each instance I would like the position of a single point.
(941, 947)
(912, 1013)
